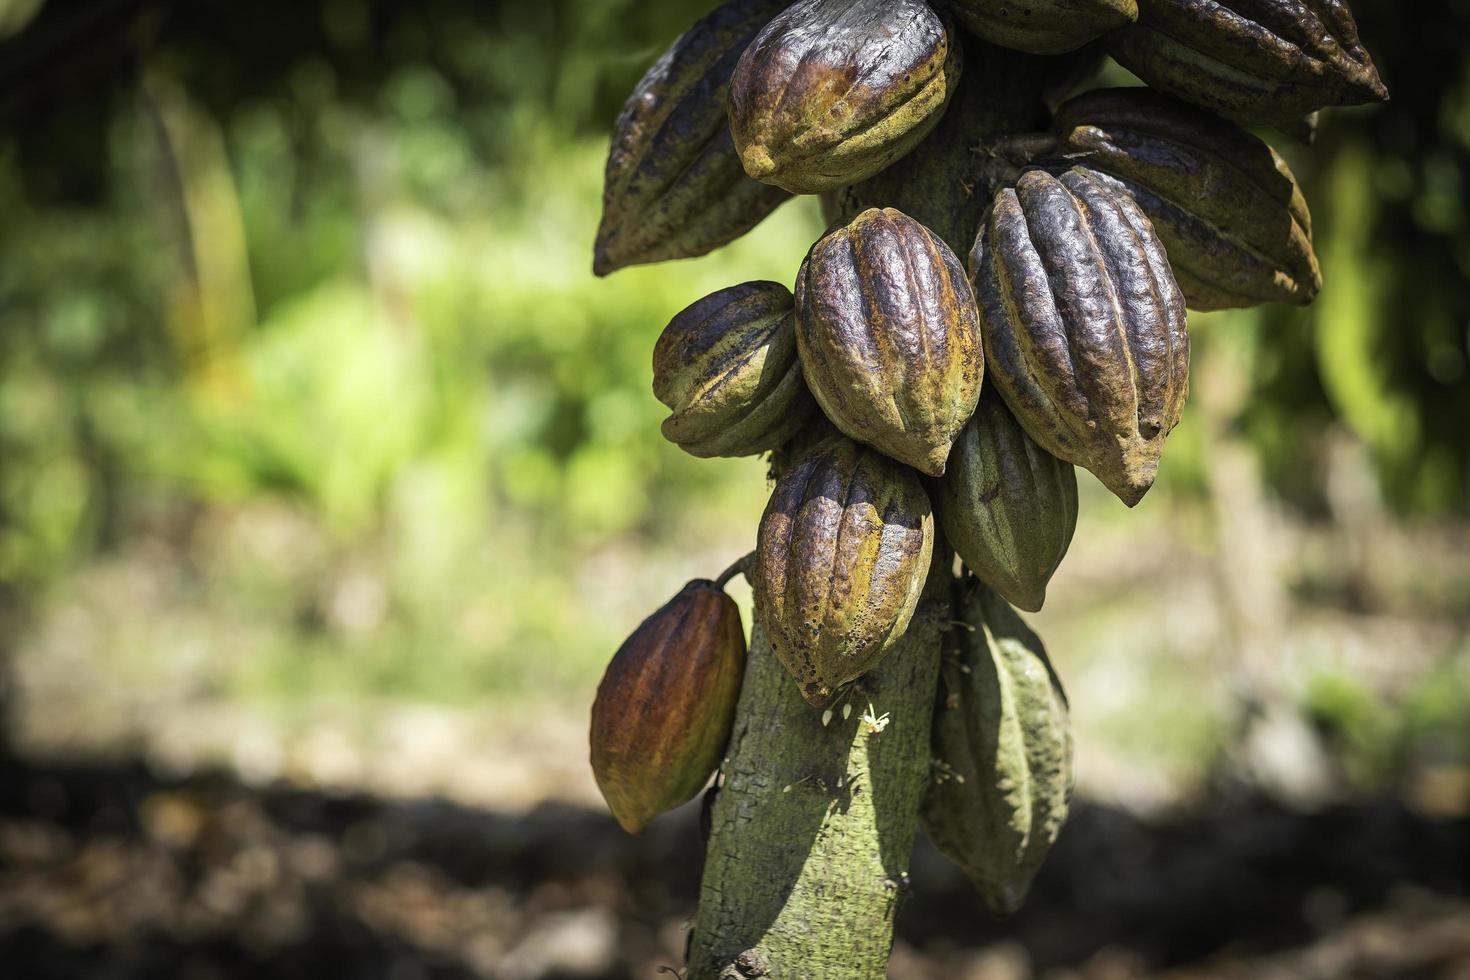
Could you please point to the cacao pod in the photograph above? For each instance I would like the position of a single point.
(1258, 60)
(1007, 506)
(1084, 327)
(1002, 746)
(841, 557)
(727, 368)
(1227, 208)
(889, 336)
(1071, 73)
(943, 184)
(1043, 26)
(832, 91)
(674, 186)
(664, 709)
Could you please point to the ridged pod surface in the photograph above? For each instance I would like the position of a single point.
(841, 557)
(1084, 327)
(889, 336)
(666, 703)
(1043, 26)
(1007, 506)
(1259, 60)
(832, 91)
(1002, 746)
(727, 368)
(674, 186)
(943, 183)
(1225, 205)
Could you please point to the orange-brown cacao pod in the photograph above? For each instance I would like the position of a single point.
(832, 91)
(1043, 26)
(1226, 206)
(1084, 326)
(663, 711)
(1258, 60)
(889, 336)
(674, 186)
(841, 557)
(726, 367)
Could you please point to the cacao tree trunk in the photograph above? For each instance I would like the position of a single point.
(812, 829)
(811, 832)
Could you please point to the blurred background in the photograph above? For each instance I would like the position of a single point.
(330, 478)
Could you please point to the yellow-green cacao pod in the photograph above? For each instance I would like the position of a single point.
(1002, 748)
(1226, 206)
(1043, 26)
(1083, 324)
(943, 184)
(726, 366)
(841, 557)
(1258, 60)
(664, 709)
(674, 186)
(889, 336)
(1007, 506)
(832, 91)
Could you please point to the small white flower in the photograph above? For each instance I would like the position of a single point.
(873, 724)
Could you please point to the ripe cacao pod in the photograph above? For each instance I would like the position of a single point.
(1084, 327)
(1258, 60)
(726, 366)
(943, 184)
(1227, 208)
(1002, 746)
(889, 336)
(841, 557)
(674, 186)
(663, 712)
(1007, 506)
(1043, 26)
(832, 91)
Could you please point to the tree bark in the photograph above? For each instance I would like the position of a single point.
(813, 826)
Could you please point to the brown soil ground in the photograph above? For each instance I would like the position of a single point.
(112, 871)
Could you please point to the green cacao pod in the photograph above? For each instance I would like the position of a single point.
(1258, 60)
(833, 91)
(663, 712)
(1007, 506)
(944, 184)
(1068, 74)
(841, 557)
(726, 366)
(1043, 26)
(889, 336)
(1084, 327)
(674, 186)
(1226, 206)
(1002, 746)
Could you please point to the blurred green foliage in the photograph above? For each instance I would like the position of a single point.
(359, 287)
(1388, 349)
(1380, 742)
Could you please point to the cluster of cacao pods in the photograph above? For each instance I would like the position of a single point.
(1000, 297)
